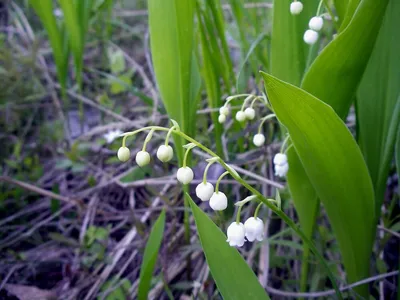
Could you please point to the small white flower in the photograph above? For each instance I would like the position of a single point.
(123, 154)
(204, 191)
(280, 159)
(224, 110)
(185, 175)
(221, 118)
(58, 13)
(296, 7)
(316, 23)
(240, 116)
(218, 201)
(250, 113)
(236, 233)
(165, 153)
(282, 170)
(259, 139)
(142, 158)
(112, 135)
(310, 37)
(254, 229)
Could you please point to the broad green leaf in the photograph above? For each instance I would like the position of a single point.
(232, 275)
(335, 166)
(351, 7)
(150, 256)
(378, 103)
(333, 78)
(336, 72)
(288, 50)
(171, 38)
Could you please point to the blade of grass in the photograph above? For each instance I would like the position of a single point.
(44, 9)
(150, 256)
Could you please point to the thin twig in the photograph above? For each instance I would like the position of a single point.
(274, 291)
(41, 191)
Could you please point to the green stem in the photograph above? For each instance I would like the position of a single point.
(246, 100)
(284, 143)
(332, 15)
(263, 121)
(206, 170)
(147, 139)
(219, 180)
(263, 199)
(257, 210)
(238, 214)
(186, 156)
(168, 135)
(319, 7)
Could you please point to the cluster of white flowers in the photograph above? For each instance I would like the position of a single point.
(315, 25)
(237, 232)
(241, 116)
(252, 229)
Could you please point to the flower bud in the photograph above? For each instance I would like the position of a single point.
(316, 23)
(218, 201)
(165, 153)
(185, 175)
(204, 191)
(236, 233)
(224, 110)
(310, 37)
(142, 158)
(250, 113)
(259, 139)
(221, 118)
(280, 159)
(240, 116)
(296, 7)
(123, 154)
(254, 228)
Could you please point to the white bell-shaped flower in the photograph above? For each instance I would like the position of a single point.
(280, 159)
(281, 170)
(218, 201)
(204, 191)
(123, 154)
(316, 23)
(310, 37)
(142, 158)
(185, 175)
(296, 7)
(250, 113)
(222, 118)
(236, 234)
(240, 116)
(259, 139)
(224, 110)
(254, 228)
(165, 153)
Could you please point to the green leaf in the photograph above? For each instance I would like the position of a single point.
(378, 103)
(336, 72)
(171, 25)
(335, 166)
(119, 290)
(150, 256)
(398, 156)
(232, 275)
